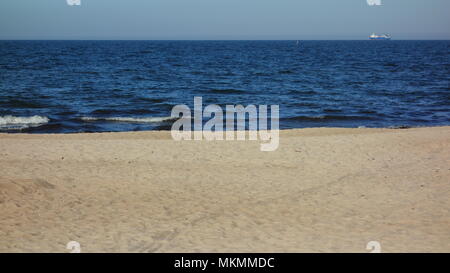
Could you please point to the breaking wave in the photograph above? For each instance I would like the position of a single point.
(17, 123)
(327, 118)
(130, 119)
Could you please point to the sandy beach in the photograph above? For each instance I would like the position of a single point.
(323, 190)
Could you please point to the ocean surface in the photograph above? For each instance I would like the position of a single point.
(98, 86)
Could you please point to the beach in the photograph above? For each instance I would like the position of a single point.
(322, 190)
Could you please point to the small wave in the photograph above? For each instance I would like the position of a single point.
(152, 100)
(399, 127)
(367, 112)
(332, 110)
(226, 91)
(19, 103)
(138, 78)
(391, 64)
(130, 119)
(18, 123)
(327, 118)
(89, 72)
(105, 111)
(286, 72)
(302, 92)
(261, 74)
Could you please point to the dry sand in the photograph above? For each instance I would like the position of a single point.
(323, 190)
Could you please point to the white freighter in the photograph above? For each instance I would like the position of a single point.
(379, 37)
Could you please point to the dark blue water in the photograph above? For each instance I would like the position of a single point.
(93, 86)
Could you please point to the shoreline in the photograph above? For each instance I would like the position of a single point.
(323, 190)
(280, 130)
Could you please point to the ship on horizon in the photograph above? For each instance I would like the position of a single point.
(379, 37)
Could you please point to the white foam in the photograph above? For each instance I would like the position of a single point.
(12, 122)
(130, 119)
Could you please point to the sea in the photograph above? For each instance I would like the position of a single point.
(111, 86)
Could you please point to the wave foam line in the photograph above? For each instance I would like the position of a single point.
(129, 119)
(22, 122)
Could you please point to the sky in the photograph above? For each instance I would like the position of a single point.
(223, 19)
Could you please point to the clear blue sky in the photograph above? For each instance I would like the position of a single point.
(223, 19)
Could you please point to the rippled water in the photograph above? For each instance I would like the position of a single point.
(93, 86)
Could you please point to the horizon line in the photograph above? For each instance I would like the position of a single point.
(65, 39)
